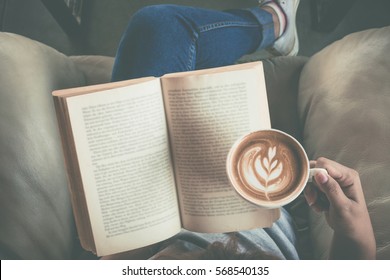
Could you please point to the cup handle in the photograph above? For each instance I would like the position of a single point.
(314, 171)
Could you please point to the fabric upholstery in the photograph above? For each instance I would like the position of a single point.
(35, 213)
(95, 68)
(344, 101)
(282, 77)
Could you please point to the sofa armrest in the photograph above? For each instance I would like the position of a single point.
(35, 212)
(344, 105)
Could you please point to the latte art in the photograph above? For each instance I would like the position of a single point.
(265, 167)
(268, 167)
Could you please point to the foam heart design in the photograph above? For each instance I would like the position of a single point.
(265, 167)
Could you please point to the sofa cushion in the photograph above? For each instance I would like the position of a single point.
(96, 68)
(344, 101)
(282, 77)
(35, 212)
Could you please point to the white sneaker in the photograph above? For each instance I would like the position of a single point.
(287, 44)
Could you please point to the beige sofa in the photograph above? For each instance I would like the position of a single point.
(335, 102)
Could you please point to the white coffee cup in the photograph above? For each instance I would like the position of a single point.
(269, 168)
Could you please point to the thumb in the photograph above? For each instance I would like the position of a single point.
(332, 189)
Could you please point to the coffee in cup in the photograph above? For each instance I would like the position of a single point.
(269, 168)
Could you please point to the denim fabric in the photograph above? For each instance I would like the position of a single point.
(279, 240)
(164, 39)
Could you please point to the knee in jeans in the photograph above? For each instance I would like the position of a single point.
(156, 18)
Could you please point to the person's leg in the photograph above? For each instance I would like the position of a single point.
(168, 38)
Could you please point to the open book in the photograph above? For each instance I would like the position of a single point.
(146, 157)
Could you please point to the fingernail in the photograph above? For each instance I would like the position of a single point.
(322, 178)
(310, 195)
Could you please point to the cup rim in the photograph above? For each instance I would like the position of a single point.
(250, 198)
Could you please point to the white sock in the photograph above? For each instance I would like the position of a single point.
(281, 15)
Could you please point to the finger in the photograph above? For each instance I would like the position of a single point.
(334, 169)
(313, 163)
(310, 194)
(332, 190)
(318, 208)
(315, 198)
(344, 176)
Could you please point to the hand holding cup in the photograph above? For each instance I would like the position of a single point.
(269, 168)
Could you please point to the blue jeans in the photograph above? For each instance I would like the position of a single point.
(164, 39)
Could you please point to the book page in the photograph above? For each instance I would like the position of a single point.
(126, 170)
(207, 112)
